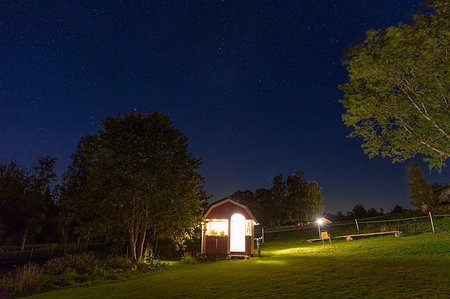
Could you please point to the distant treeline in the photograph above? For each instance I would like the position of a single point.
(289, 200)
(359, 211)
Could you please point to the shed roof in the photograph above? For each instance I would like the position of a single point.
(228, 201)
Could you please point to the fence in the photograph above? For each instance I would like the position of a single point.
(410, 225)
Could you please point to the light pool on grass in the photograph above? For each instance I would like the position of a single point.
(379, 267)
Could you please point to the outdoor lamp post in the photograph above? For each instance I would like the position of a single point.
(319, 223)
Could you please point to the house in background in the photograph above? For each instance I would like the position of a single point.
(228, 230)
(442, 194)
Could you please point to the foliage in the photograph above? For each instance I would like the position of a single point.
(117, 262)
(188, 258)
(420, 192)
(80, 263)
(136, 175)
(70, 270)
(397, 97)
(26, 280)
(359, 211)
(26, 197)
(291, 200)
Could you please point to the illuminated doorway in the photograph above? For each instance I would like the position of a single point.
(237, 233)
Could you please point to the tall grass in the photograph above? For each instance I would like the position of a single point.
(26, 280)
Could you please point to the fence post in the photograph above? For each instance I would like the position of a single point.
(431, 220)
(357, 226)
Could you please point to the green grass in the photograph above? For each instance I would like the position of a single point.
(408, 227)
(412, 266)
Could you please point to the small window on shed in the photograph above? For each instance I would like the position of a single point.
(217, 227)
(248, 227)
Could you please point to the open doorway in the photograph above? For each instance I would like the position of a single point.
(237, 233)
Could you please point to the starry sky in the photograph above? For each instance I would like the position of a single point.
(252, 84)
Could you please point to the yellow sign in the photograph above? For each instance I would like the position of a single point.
(324, 235)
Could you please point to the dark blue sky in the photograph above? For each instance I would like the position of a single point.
(252, 84)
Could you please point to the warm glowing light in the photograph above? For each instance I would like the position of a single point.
(237, 233)
(319, 221)
(217, 227)
(248, 227)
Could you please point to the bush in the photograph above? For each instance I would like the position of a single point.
(188, 258)
(67, 271)
(150, 265)
(117, 262)
(81, 263)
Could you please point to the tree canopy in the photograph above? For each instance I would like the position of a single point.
(291, 200)
(420, 192)
(26, 198)
(136, 175)
(397, 97)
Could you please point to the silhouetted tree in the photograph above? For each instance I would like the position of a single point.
(397, 210)
(26, 197)
(359, 211)
(372, 212)
(420, 192)
(134, 176)
(279, 196)
(264, 198)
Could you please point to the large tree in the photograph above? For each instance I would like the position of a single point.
(397, 97)
(420, 192)
(26, 197)
(290, 200)
(135, 176)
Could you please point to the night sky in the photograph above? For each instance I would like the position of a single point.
(252, 84)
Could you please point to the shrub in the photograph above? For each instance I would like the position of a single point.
(151, 265)
(117, 262)
(80, 263)
(69, 277)
(67, 271)
(188, 258)
(25, 281)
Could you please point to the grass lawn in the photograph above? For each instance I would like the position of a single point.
(385, 266)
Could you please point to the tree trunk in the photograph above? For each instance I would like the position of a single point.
(24, 237)
(141, 245)
(78, 242)
(132, 246)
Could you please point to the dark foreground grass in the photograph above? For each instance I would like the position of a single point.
(379, 267)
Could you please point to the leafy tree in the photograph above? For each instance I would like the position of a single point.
(264, 198)
(420, 192)
(397, 97)
(372, 212)
(250, 200)
(290, 200)
(397, 210)
(314, 200)
(26, 197)
(135, 176)
(359, 211)
(81, 216)
(279, 194)
(296, 199)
